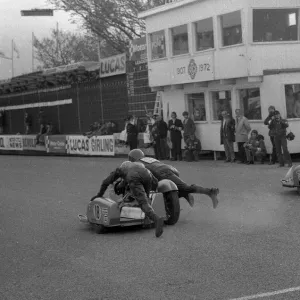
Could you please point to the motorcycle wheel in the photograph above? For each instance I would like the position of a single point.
(100, 229)
(172, 206)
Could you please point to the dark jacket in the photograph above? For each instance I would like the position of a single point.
(189, 127)
(175, 132)
(267, 122)
(229, 130)
(193, 145)
(132, 132)
(278, 127)
(160, 130)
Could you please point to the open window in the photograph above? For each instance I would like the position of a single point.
(196, 106)
(250, 103)
(292, 99)
(221, 101)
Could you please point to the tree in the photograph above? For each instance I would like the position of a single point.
(64, 48)
(113, 21)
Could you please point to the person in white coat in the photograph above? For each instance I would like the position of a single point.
(242, 131)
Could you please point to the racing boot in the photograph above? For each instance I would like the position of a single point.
(158, 221)
(190, 199)
(212, 193)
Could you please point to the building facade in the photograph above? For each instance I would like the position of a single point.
(212, 55)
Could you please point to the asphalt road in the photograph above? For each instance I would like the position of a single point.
(248, 246)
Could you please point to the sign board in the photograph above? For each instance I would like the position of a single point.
(11, 142)
(114, 65)
(56, 144)
(198, 68)
(138, 51)
(29, 143)
(97, 145)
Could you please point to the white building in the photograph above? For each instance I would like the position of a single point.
(210, 55)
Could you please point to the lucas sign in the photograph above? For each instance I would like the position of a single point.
(114, 65)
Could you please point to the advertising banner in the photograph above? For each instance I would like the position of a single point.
(114, 65)
(97, 145)
(138, 51)
(56, 144)
(29, 143)
(11, 142)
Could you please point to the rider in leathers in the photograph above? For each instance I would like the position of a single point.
(163, 171)
(140, 181)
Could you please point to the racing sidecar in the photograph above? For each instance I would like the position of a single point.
(103, 213)
(292, 178)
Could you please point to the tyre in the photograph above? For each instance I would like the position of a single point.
(100, 229)
(172, 206)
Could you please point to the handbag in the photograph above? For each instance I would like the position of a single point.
(290, 136)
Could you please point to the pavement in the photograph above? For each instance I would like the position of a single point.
(247, 247)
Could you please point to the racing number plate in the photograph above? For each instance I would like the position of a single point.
(97, 212)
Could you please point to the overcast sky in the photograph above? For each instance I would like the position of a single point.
(13, 26)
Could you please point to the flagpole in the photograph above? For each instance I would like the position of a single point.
(12, 58)
(32, 52)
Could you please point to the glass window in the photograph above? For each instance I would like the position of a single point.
(204, 34)
(250, 103)
(158, 44)
(196, 107)
(180, 40)
(221, 101)
(273, 25)
(232, 28)
(292, 99)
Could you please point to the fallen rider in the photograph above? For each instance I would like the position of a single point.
(163, 171)
(140, 182)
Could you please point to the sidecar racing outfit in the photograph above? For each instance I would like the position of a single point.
(164, 171)
(140, 181)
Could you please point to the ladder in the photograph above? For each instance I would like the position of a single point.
(158, 104)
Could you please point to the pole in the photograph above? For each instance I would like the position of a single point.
(101, 98)
(32, 51)
(57, 39)
(12, 58)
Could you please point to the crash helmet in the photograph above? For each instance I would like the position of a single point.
(125, 165)
(135, 155)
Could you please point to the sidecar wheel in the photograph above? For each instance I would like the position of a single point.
(172, 207)
(100, 229)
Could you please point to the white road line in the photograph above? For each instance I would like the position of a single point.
(295, 289)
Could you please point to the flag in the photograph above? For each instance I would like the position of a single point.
(16, 50)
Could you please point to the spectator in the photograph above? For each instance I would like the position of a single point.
(159, 133)
(189, 127)
(268, 121)
(297, 106)
(132, 133)
(42, 125)
(227, 131)
(255, 147)
(28, 123)
(175, 126)
(1, 121)
(278, 127)
(241, 133)
(193, 148)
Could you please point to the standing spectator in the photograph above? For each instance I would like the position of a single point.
(193, 148)
(159, 133)
(189, 127)
(42, 125)
(1, 121)
(241, 133)
(175, 126)
(132, 133)
(267, 122)
(227, 131)
(28, 123)
(278, 127)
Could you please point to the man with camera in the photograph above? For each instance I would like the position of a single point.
(278, 127)
(267, 122)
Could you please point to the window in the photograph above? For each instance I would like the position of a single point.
(196, 107)
(292, 99)
(180, 41)
(221, 101)
(158, 45)
(232, 28)
(273, 25)
(204, 34)
(250, 103)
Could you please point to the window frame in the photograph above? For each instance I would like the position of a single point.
(205, 105)
(273, 42)
(220, 27)
(239, 99)
(285, 106)
(194, 34)
(172, 44)
(150, 46)
(211, 102)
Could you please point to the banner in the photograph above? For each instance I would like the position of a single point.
(56, 144)
(11, 142)
(29, 143)
(97, 145)
(138, 51)
(114, 65)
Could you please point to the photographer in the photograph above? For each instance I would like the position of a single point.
(267, 122)
(278, 127)
(192, 149)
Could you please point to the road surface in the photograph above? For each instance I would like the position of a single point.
(245, 248)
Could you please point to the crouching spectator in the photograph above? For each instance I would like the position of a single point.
(192, 149)
(255, 147)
